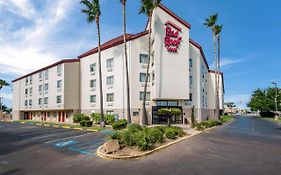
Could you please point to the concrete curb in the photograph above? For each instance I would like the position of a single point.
(108, 156)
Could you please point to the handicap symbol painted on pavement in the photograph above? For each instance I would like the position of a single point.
(63, 144)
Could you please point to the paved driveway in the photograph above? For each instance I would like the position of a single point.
(247, 146)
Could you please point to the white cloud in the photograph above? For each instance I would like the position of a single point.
(227, 62)
(29, 47)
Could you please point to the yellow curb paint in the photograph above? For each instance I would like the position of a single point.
(46, 125)
(38, 124)
(78, 128)
(66, 127)
(22, 122)
(93, 130)
(108, 157)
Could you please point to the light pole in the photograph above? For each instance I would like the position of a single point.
(276, 89)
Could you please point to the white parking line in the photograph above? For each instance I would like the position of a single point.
(68, 138)
(50, 135)
(51, 130)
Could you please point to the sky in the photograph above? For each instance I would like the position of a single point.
(36, 33)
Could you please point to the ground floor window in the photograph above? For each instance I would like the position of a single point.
(166, 103)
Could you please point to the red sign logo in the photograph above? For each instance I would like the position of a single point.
(172, 39)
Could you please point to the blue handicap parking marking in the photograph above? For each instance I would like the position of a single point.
(63, 144)
(81, 151)
(107, 132)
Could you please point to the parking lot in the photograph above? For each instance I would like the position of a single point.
(20, 144)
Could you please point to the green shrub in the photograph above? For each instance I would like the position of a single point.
(170, 133)
(95, 118)
(134, 128)
(154, 135)
(88, 123)
(120, 124)
(199, 127)
(178, 131)
(79, 117)
(142, 140)
(116, 136)
(226, 118)
(109, 119)
(127, 138)
(82, 123)
(162, 128)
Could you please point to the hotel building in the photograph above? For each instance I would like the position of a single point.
(179, 77)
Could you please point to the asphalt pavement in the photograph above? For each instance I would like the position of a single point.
(249, 146)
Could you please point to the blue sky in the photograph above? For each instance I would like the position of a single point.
(35, 33)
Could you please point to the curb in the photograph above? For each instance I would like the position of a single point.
(112, 157)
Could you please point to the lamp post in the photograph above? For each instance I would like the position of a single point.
(276, 89)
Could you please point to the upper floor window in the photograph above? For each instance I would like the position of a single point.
(46, 99)
(30, 90)
(40, 101)
(59, 84)
(93, 99)
(30, 79)
(190, 96)
(30, 102)
(26, 91)
(59, 99)
(59, 69)
(109, 80)
(143, 77)
(190, 81)
(46, 73)
(190, 62)
(26, 80)
(109, 63)
(147, 98)
(143, 58)
(25, 102)
(93, 83)
(110, 97)
(40, 88)
(46, 87)
(93, 68)
(40, 75)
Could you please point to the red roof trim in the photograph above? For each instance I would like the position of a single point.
(174, 25)
(47, 67)
(201, 51)
(111, 43)
(183, 22)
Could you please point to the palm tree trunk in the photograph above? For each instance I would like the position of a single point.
(216, 78)
(218, 72)
(126, 65)
(144, 114)
(102, 124)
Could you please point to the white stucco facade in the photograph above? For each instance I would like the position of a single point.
(179, 77)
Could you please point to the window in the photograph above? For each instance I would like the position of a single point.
(59, 69)
(93, 99)
(93, 68)
(143, 77)
(59, 99)
(25, 102)
(26, 91)
(93, 83)
(46, 87)
(109, 80)
(190, 96)
(190, 81)
(147, 96)
(46, 73)
(59, 84)
(30, 79)
(46, 100)
(153, 76)
(30, 102)
(135, 114)
(26, 80)
(109, 63)
(40, 101)
(190, 62)
(172, 103)
(40, 75)
(110, 97)
(30, 90)
(143, 58)
(40, 88)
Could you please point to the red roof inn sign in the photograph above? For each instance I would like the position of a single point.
(172, 39)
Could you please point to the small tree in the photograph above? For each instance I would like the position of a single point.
(169, 112)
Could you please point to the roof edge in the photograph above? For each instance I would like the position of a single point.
(201, 51)
(47, 67)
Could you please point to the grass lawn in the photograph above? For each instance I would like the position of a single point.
(272, 119)
(226, 118)
(74, 125)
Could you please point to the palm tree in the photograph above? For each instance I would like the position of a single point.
(93, 14)
(147, 8)
(3, 83)
(210, 23)
(218, 29)
(126, 61)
